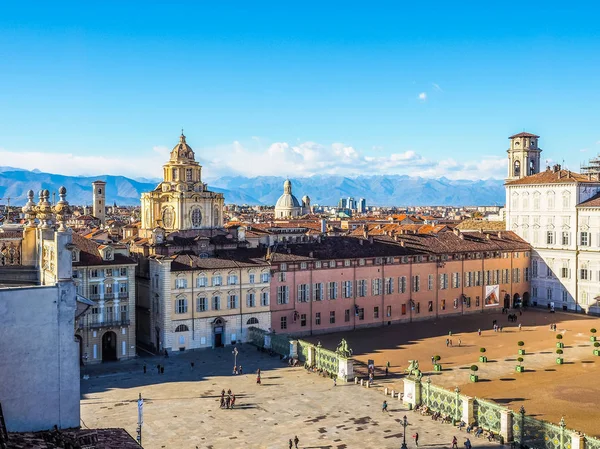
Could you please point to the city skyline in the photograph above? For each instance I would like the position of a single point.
(427, 92)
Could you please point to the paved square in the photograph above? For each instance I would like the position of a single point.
(182, 406)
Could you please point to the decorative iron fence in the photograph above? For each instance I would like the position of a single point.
(488, 414)
(303, 348)
(279, 343)
(443, 401)
(537, 434)
(592, 443)
(327, 360)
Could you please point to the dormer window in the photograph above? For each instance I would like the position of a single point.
(108, 254)
(75, 255)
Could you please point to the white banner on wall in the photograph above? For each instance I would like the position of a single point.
(492, 296)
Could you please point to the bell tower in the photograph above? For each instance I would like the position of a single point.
(99, 200)
(523, 156)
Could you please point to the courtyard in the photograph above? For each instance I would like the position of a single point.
(546, 390)
(181, 408)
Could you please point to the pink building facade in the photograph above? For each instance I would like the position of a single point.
(343, 283)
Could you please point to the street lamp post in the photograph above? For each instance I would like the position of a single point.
(235, 353)
(404, 424)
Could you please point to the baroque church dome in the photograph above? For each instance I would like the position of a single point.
(287, 200)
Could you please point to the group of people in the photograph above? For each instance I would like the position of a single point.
(553, 327)
(294, 443)
(237, 370)
(512, 317)
(227, 401)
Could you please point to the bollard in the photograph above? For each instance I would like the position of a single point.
(355, 380)
(368, 384)
(393, 394)
(385, 391)
(361, 382)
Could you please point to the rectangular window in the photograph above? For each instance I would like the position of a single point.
(583, 274)
(516, 275)
(264, 299)
(109, 272)
(283, 322)
(347, 289)
(417, 307)
(303, 320)
(455, 280)
(565, 296)
(282, 294)
(188, 174)
(389, 286)
(527, 275)
(303, 265)
(180, 283)
(201, 304)
(201, 281)
(403, 309)
(181, 306)
(416, 283)
(443, 304)
(430, 282)
(347, 315)
(123, 271)
(250, 300)
(347, 262)
(251, 278)
(318, 292)
(281, 277)
(264, 277)
(565, 238)
(361, 288)
(430, 306)
(216, 281)
(443, 281)
(550, 237)
(361, 262)
(232, 279)
(318, 318)
(388, 311)
(375, 312)
(402, 284)
(564, 272)
(332, 317)
(283, 267)
(332, 289)
(376, 284)
(584, 239)
(303, 292)
(216, 302)
(549, 293)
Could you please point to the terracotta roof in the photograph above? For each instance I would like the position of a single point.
(90, 256)
(485, 225)
(245, 258)
(523, 134)
(552, 177)
(592, 202)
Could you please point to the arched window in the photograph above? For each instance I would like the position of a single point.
(168, 217)
(196, 217)
(182, 328)
(532, 167)
(252, 321)
(517, 168)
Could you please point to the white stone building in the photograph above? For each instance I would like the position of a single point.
(208, 302)
(558, 212)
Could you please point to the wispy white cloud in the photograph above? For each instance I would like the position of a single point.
(437, 87)
(264, 159)
(423, 96)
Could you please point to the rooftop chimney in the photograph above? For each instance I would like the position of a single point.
(456, 231)
(499, 234)
(487, 236)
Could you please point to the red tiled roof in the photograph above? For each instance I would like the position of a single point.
(592, 202)
(523, 134)
(552, 177)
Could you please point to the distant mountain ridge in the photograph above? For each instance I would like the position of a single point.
(378, 190)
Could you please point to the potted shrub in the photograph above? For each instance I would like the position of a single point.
(482, 358)
(437, 366)
(521, 351)
(596, 346)
(474, 377)
(520, 367)
(559, 344)
(559, 359)
(593, 337)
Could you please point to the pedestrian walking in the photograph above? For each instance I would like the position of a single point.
(144, 368)
(222, 401)
(228, 401)
(447, 342)
(334, 382)
(240, 370)
(192, 366)
(296, 441)
(388, 364)
(432, 360)
(479, 332)
(166, 354)
(229, 392)
(232, 401)
(258, 379)
(416, 437)
(449, 333)
(459, 342)
(387, 370)
(519, 326)
(450, 343)
(235, 371)
(291, 444)
(157, 369)
(467, 443)
(162, 369)
(454, 443)
(384, 406)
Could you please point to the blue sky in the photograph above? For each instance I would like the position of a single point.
(423, 88)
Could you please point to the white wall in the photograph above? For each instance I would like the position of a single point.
(39, 362)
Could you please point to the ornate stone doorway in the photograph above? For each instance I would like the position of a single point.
(218, 332)
(109, 347)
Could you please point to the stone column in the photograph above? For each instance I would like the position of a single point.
(467, 414)
(345, 369)
(577, 441)
(412, 392)
(506, 425)
(293, 349)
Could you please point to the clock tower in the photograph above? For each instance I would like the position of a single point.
(523, 156)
